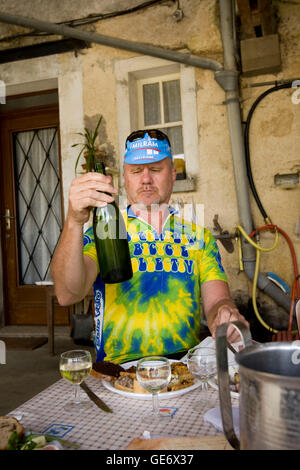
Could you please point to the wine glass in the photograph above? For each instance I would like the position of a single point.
(154, 374)
(75, 366)
(202, 364)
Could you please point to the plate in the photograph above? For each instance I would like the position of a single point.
(144, 396)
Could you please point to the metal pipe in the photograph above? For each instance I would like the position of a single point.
(230, 85)
(229, 82)
(61, 30)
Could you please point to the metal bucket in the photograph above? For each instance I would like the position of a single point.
(269, 392)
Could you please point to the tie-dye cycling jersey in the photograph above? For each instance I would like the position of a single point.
(156, 312)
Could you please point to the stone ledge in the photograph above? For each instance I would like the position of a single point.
(181, 186)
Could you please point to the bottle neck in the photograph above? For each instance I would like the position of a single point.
(100, 168)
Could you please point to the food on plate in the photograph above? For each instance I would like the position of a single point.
(181, 378)
(234, 379)
(237, 382)
(124, 383)
(8, 426)
(106, 370)
(30, 441)
(49, 447)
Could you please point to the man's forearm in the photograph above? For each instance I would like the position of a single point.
(67, 267)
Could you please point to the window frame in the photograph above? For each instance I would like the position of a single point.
(148, 81)
(127, 73)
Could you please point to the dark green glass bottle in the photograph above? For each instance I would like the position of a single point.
(111, 241)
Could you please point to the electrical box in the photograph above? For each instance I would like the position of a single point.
(260, 55)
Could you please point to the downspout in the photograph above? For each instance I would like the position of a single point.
(228, 80)
(61, 30)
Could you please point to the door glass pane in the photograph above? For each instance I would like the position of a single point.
(151, 104)
(172, 101)
(39, 219)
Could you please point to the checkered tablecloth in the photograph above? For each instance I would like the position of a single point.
(96, 429)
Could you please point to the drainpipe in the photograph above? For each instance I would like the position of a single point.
(61, 30)
(228, 80)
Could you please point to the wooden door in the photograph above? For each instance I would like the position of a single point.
(31, 210)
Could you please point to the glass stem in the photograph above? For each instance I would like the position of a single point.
(204, 392)
(77, 394)
(155, 403)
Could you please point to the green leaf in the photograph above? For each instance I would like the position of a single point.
(50, 438)
(80, 133)
(88, 136)
(89, 145)
(15, 441)
(96, 130)
(77, 160)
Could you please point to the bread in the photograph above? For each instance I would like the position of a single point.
(9, 424)
(106, 370)
(124, 383)
(180, 443)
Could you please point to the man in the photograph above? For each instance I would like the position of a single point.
(175, 262)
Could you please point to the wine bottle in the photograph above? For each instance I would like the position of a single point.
(111, 242)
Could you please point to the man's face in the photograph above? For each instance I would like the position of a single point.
(150, 183)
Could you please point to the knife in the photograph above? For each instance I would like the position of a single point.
(231, 348)
(100, 403)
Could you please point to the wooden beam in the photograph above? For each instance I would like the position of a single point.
(42, 49)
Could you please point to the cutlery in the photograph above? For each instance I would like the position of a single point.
(100, 403)
(231, 348)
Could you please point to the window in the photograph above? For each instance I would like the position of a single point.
(159, 103)
(155, 93)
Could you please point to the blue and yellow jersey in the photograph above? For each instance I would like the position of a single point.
(156, 312)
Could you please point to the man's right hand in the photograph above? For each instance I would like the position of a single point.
(88, 191)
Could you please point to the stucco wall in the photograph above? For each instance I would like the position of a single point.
(274, 144)
(275, 128)
(274, 134)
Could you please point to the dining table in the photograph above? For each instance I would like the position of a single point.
(95, 429)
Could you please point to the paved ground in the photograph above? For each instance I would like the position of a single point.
(27, 373)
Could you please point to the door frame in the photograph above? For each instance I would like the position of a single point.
(19, 117)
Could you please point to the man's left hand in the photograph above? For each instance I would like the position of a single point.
(227, 313)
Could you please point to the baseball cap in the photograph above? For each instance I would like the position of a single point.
(147, 146)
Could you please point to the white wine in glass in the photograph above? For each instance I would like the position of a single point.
(154, 374)
(75, 367)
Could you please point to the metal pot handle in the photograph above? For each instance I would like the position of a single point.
(223, 377)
